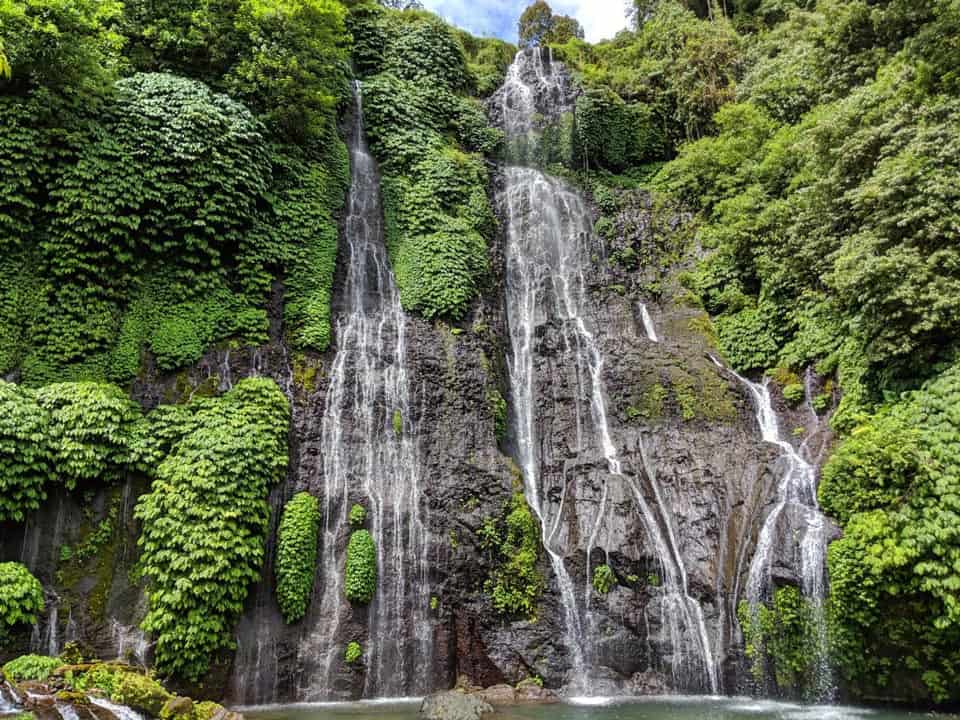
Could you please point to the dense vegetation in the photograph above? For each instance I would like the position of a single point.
(205, 518)
(297, 554)
(21, 597)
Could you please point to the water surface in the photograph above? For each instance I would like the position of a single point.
(673, 708)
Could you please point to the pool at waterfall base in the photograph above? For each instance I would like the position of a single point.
(602, 708)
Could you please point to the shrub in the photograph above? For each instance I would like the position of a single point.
(794, 393)
(31, 667)
(89, 431)
(297, 555)
(140, 692)
(361, 569)
(358, 515)
(21, 597)
(205, 518)
(784, 635)
(354, 653)
(516, 584)
(25, 463)
(604, 579)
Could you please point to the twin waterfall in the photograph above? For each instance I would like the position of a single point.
(367, 452)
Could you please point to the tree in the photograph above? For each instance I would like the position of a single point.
(539, 26)
(564, 29)
(70, 47)
(535, 23)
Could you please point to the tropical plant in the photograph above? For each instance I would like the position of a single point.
(21, 598)
(297, 554)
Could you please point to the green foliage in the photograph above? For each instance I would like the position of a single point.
(154, 215)
(828, 198)
(782, 636)
(487, 60)
(438, 216)
(295, 65)
(25, 464)
(354, 653)
(604, 579)
(539, 26)
(358, 515)
(498, 408)
(205, 518)
(614, 135)
(139, 692)
(515, 585)
(894, 608)
(669, 78)
(309, 194)
(72, 432)
(297, 555)
(21, 598)
(361, 569)
(68, 47)
(794, 393)
(89, 429)
(31, 667)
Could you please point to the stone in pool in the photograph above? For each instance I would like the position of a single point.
(454, 705)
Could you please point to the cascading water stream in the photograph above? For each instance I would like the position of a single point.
(796, 496)
(549, 240)
(648, 327)
(367, 460)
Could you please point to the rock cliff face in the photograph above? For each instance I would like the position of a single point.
(684, 431)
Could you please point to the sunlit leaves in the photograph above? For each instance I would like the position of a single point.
(205, 517)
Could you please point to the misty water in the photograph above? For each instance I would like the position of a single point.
(672, 708)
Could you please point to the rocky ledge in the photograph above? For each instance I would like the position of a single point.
(102, 691)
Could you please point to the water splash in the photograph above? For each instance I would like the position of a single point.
(130, 643)
(121, 712)
(366, 460)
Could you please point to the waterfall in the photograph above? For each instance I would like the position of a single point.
(648, 327)
(796, 505)
(366, 460)
(121, 712)
(549, 232)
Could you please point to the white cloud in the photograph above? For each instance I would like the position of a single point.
(601, 19)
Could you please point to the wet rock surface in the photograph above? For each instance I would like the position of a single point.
(454, 705)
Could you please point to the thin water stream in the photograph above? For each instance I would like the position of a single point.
(369, 457)
(796, 507)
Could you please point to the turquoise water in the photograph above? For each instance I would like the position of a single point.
(673, 708)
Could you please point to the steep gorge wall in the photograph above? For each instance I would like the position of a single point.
(675, 418)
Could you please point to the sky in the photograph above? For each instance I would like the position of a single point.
(600, 18)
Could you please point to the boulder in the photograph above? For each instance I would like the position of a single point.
(454, 705)
(177, 707)
(498, 695)
(531, 693)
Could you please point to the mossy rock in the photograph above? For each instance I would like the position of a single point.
(141, 693)
(178, 708)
